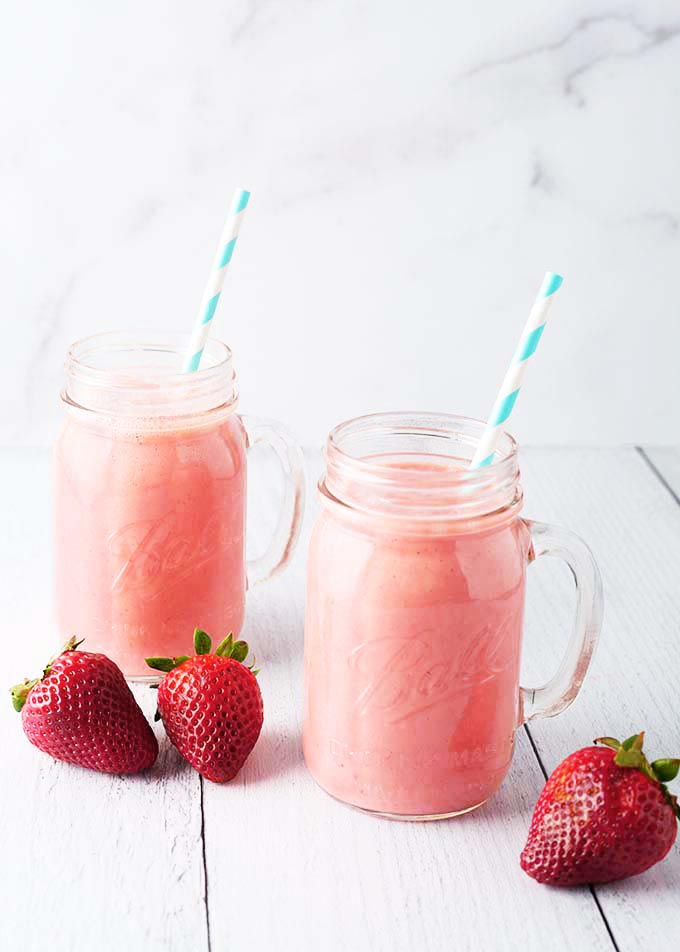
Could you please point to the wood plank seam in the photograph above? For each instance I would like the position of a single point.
(206, 904)
(657, 472)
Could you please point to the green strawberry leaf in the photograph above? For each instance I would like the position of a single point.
(609, 742)
(630, 758)
(634, 742)
(629, 754)
(202, 642)
(161, 664)
(223, 650)
(71, 645)
(21, 691)
(166, 664)
(240, 651)
(666, 768)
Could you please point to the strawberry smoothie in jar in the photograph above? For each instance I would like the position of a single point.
(151, 498)
(415, 601)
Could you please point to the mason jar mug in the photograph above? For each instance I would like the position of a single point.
(151, 498)
(415, 602)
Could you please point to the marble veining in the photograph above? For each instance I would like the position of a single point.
(413, 174)
(637, 39)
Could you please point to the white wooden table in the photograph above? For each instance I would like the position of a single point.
(167, 862)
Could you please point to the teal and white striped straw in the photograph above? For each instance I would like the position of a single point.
(213, 288)
(507, 395)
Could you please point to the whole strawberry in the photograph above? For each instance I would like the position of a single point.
(604, 814)
(211, 706)
(82, 711)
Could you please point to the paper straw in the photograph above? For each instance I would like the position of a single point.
(507, 395)
(213, 288)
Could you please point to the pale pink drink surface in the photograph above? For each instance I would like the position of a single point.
(412, 646)
(149, 534)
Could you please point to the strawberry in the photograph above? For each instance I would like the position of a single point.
(604, 814)
(82, 711)
(211, 706)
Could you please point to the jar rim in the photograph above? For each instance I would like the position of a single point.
(507, 451)
(138, 374)
(374, 465)
(218, 353)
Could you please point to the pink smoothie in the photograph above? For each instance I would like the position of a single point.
(412, 648)
(149, 534)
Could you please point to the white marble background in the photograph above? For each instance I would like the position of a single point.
(414, 167)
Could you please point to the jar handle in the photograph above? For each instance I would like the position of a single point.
(558, 693)
(287, 532)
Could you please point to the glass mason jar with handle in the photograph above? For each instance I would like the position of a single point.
(151, 498)
(415, 603)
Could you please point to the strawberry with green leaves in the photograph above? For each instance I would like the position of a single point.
(604, 814)
(211, 706)
(82, 711)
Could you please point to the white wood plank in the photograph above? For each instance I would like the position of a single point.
(632, 523)
(89, 861)
(308, 868)
(310, 873)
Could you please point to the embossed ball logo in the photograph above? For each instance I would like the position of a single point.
(402, 678)
(153, 553)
